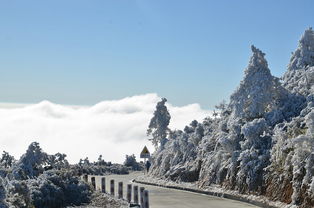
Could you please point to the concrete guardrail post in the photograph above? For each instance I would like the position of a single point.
(85, 178)
(112, 187)
(120, 190)
(146, 199)
(135, 194)
(103, 185)
(129, 193)
(142, 196)
(93, 179)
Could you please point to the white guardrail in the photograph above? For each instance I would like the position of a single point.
(142, 201)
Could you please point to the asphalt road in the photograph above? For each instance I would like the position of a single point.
(163, 197)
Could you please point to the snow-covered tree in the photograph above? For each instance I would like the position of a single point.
(6, 160)
(130, 161)
(310, 124)
(2, 194)
(80, 162)
(191, 128)
(86, 161)
(198, 134)
(303, 160)
(57, 161)
(304, 55)
(254, 156)
(158, 126)
(262, 142)
(101, 161)
(222, 109)
(258, 91)
(299, 77)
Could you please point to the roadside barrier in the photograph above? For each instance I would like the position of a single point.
(140, 202)
(120, 190)
(142, 196)
(103, 185)
(94, 182)
(129, 193)
(146, 199)
(112, 187)
(135, 191)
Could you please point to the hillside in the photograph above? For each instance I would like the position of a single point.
(261, 143)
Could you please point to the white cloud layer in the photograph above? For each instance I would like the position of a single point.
(111, 128)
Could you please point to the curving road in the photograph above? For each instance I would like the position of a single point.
(163, 197)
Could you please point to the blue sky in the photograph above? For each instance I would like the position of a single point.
(82, 52)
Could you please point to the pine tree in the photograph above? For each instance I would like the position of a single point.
(158, 126)
(299, 78)
(6, 160)
(304, 55)
(257, 92)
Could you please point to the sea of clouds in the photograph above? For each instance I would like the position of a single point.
(110, 128)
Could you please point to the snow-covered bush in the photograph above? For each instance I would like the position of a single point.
(31, 163)
(58, 189)
(53, 188)
(41, 180)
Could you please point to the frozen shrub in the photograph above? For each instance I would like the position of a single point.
(31, 163)
(58, 189)
(41, 180)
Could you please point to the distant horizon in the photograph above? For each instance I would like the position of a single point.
(21, 104)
